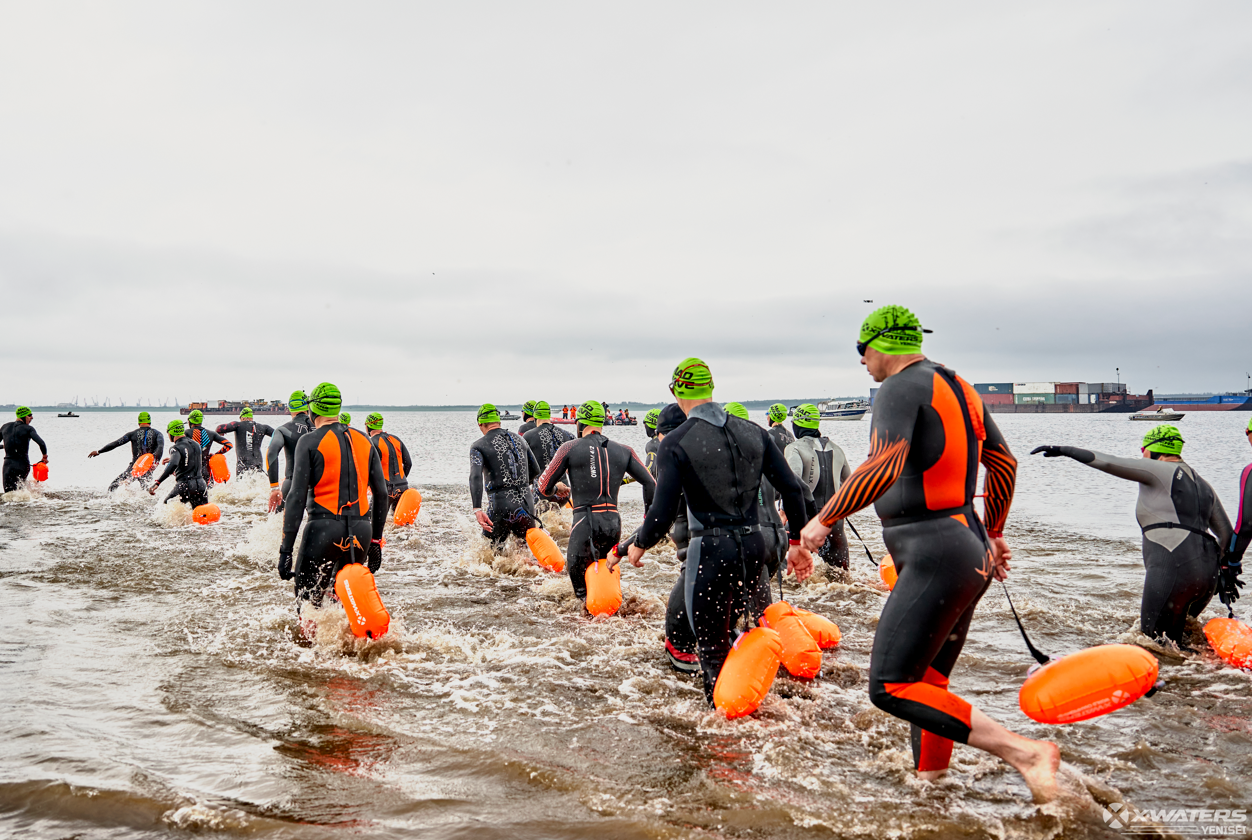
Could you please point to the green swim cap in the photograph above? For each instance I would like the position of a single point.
(23, 411)
(345, 417)
(374, 421)
(893, 330)
(145, 417)
(778, 412)
(325, 401)
(692, 380)
(488, 414)
(591, 413)
(1166, 440)
(1250, 425)
(541, 411)
(806, 416)
(196, 416)
(649, 419)
(737, 410)
(175, 428)
(247, 412)
(298, 401)
(528, 408)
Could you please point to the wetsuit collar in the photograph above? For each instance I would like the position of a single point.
(710, 412)
(801, 432)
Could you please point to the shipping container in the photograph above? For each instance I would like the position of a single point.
(996, 399)
(1084, 388)
(1034, 387)
(1071, 399)
(995, 388)
(1110, 388)
(1067, 388)
(1027, 399)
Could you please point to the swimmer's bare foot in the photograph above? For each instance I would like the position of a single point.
(1037, 761)
(931, 775)
(1040, 771)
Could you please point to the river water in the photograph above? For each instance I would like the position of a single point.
(153, 687)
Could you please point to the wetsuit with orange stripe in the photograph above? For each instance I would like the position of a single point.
(334, 467)
(929, 435)
(205, 438)
(396, 462)
(596, 467)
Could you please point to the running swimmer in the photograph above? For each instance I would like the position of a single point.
(502, 465)
(528, 418)
(17, 436)
(184, 464)
(717, 461)
(143, 441)
(283, 442)
(205, 438)
(248, 437)
(1176, 511)
(1232, 566)
(928, 436)
(334, 467)
(821, 467)
(393, 455)
(595, 466)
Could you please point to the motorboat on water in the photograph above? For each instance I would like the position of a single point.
(508, 415)
(1162, 414)
(846, 410)
(69, 414)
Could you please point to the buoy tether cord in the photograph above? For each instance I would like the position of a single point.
(1041, 658)
(863, 545)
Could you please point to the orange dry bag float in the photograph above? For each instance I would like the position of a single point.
(40, 469)
(408, 506)
(1231, 640)
(143, 465)
(887, 571)
(604, 588)
(545, 549)
(217, 466)
(748, 672)
(800, 654)
(824, 631)
(1088, 684)
(206, 514)
(359, 595)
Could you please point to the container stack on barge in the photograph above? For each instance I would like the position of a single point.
(234, 407)
(1060, 397)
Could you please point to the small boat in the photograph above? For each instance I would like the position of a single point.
(69, 414)
(508, 415)
(851, 410)
(1162, 414)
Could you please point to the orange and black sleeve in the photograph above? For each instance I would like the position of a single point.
(1000, 481)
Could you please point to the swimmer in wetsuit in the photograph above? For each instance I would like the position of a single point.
(1176, 511)
(143, 441)
(17, 436)
(595, 466)
(778, 427)
(184, 463)
(1229, 582)
(649, 448)
(283, 442)
(336, 471)
(716, 462)
(928, 436)
(205, 438)
(546, 437)
(394, 455)
(821, 467)
(248, 437)
(502, 465)
(528, 418)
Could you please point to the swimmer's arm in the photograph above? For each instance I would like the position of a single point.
(868, 481)
(226, 445)
(476, 479)
(271, 457)
(1142, 470)
(109, 447)
(34, 435)
(1244, 537)
(1219, 523)
(1001, 479)
(228, 427)
(378, 486)
(405, 459)
(556, 468)
(793, 459)
(263, 430)
(176, 458)
(160, 448)
(660, 514)
(787, 484)
(299, 493)
(636, 470)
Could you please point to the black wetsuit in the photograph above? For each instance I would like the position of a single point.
(1176, 510)
(189, 483)
(249, 456)
(525, 427)
(284, 440)
(544, 441)
(716, 462)
(928, 436)
(143, 441)
(397, 464)
(649, 454)
(595, 467)
(782, 437)
(206, 438)
(821, 467)
(502, 464)
(335, 466)
(17, 436)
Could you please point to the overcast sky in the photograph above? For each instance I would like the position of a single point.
(463, 202)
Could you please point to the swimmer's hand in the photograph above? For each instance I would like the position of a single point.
(1001, 554)
(1048, 451)
(92, 454)
(276, 497)
(152, 489)
(483, 519)
(284, 565)
(165, 460)
(800, 561)
(814, 534)
(374, 556)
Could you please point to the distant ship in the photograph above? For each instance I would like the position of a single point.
(1231, 401)
(234, 407)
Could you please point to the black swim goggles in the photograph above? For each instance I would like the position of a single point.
(861, 346)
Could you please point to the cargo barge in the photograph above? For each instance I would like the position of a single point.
(1061, 398)
(1231, 401)
(234, 407)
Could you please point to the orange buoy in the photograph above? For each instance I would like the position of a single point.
(206, 514)
(1231, 640)
(545, 549)
(359, 595)
(40, 469)
(748, 672)
(824, 631)
(800, 654)
(408, 506)
(1088, 684)
(143, 465)
(887, 571)
(217, 466)
(604, 588)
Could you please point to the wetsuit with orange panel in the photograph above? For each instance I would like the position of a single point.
(396, 463)
(928, 436)
(205, 438)
(334, 467)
